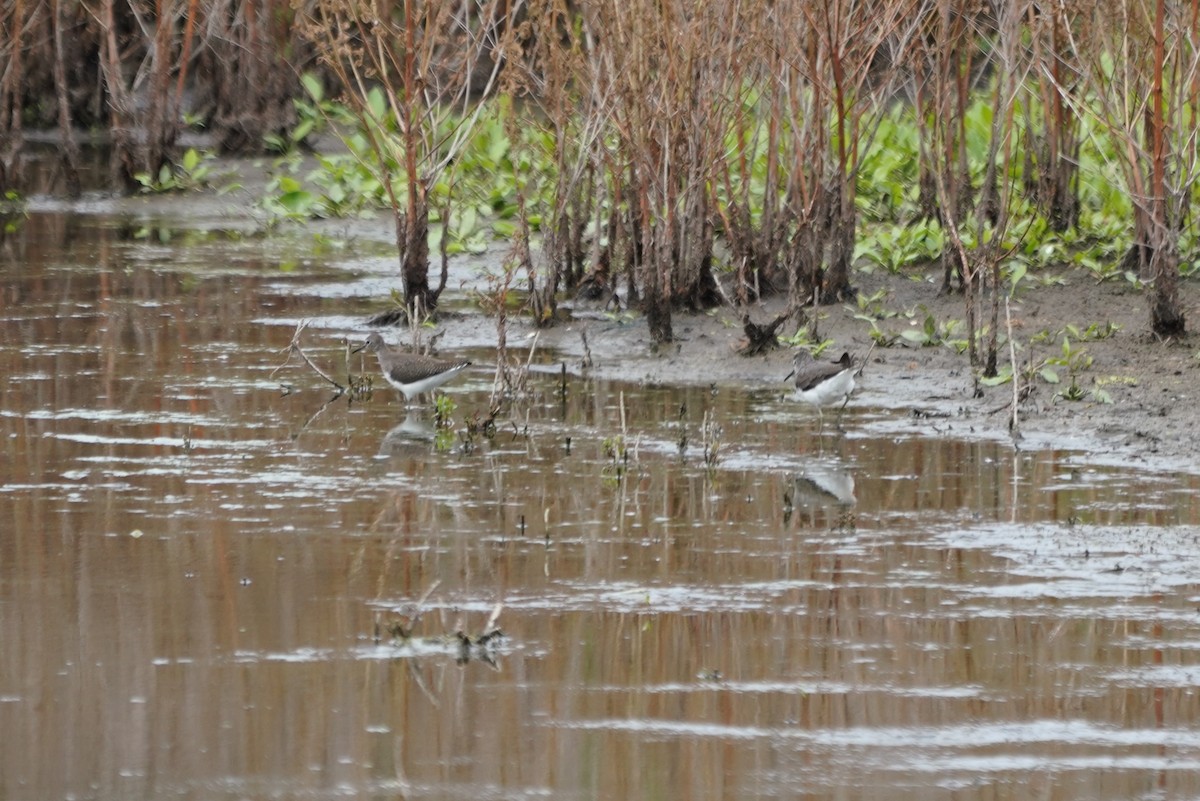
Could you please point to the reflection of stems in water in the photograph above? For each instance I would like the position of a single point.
(710, 436)
(587, 351)
(477, 645)
(520, 431)
(404, 631)
(294, 348)
(317, 413)
(424, 688)
(681, 441)
(481, 646)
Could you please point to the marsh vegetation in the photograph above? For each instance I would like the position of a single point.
(660, 154)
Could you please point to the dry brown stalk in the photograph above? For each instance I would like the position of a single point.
(1140, 64)
(416, 81)
(666, 66)
(294, 348)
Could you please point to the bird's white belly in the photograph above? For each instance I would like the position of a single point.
(827, 393)
(425, 384)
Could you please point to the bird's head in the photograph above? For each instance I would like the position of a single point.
(799, 360)
(373, 344)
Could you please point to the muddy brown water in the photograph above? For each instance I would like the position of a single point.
(197, 572)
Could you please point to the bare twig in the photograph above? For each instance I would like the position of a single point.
(866, 360)
(1016, 377)
(294, 348)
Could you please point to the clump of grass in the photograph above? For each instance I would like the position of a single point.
(478, 427)
(444, 408)
(481, 645)
(617, 449)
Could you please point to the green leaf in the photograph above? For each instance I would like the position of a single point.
(302, 130)
(312, 85)
(299, 202)
(503, 228)
(1018, 272)
(358, 144)
(337, 194)
(497, 148)
(191, 160)
(467, 221)
(1048, 375)
(377, 104)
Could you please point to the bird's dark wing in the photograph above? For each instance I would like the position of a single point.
(810, 375)
(417, 368)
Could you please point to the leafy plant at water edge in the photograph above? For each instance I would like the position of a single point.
(312, 116)
(194, 171)
(869, 308)
(932, 333)
(1073, 359)
(13, 211)
(895, 246)
(803, 339)
(887, 177)
(882, 338)
(1093, 333)
(474, 200)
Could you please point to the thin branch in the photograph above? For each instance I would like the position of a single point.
(294, 348)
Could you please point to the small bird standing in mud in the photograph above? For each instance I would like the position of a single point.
(820, 383)
(408, 372)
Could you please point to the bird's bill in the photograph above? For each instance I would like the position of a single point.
(789, 375)
(360, 347)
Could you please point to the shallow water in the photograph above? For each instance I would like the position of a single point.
(198, 571)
